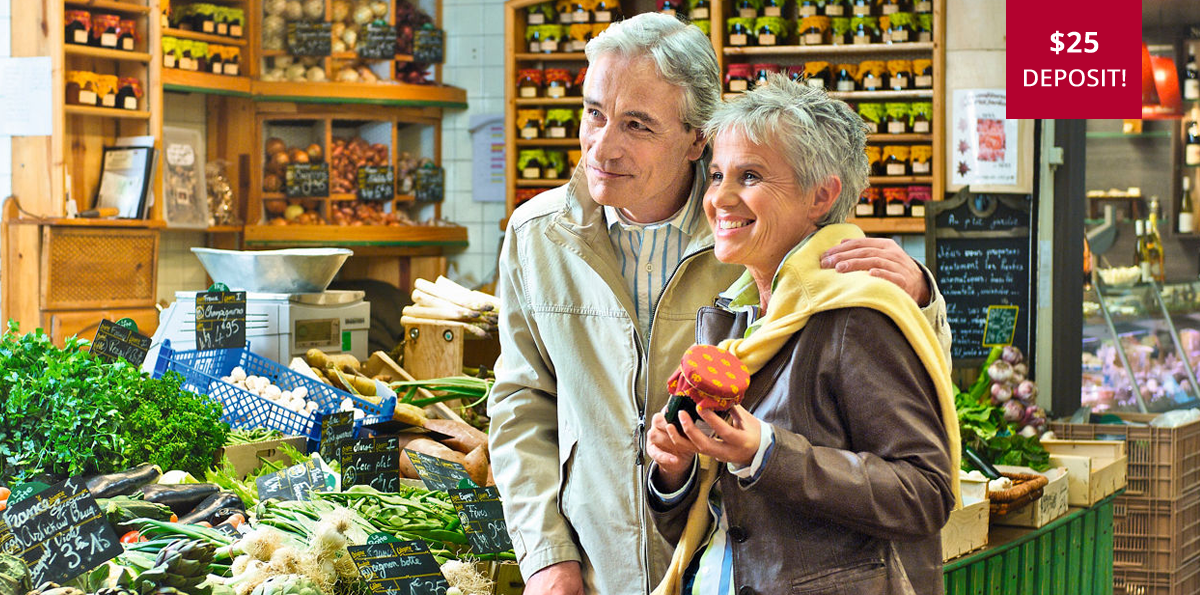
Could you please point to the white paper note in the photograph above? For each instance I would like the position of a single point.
(25, 97)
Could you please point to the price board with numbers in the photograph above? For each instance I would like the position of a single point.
(335, 429)
(306, 180)
(62, 532)
(482, 517)
(376, 182)
(115, 341)
(378, 42)
(220, 320)
(294, 483)
(399, 568)
(310, 39)
(438, 474)
(371, 462)
(430, 185)
(429, 46)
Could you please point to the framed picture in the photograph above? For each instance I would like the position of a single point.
(124, 180)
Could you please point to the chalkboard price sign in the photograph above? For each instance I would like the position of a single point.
(482, 517)
(220, 320)
(378, 42)
(335, 429)
(399, 568)
(1000, 326)
(429, 46)
(293, 483)
(307, 180)
(430, 184)
(372, 462)
(62, 532)
(376, 182)
(438, 474)
(310, 39)
(114, 341)
(8, 541)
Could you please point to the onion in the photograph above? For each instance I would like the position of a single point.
(1000, 371)
(293, 10)
(339, 11)
(1014, 411)
(1011, 354)
(1028, 432)
(274, 7)
(314, 9)
(1001, 393)
(1026, 390)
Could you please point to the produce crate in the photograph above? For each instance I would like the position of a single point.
(203, 370)
(1156, 535)
(967, 529)
(1163, 462)
(1096, 468)
(246, 458)
(1185, 581)
(1051, 505)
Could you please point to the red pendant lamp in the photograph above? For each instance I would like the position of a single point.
(1160, 88)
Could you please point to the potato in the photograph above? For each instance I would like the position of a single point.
(410, 414)
(476, 463)
(463, 437)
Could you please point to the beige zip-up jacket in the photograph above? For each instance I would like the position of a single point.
(575, 388)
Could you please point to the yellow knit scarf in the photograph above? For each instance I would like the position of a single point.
(801, 289)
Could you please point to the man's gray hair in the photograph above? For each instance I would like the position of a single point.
(819, 136)
(682, 54)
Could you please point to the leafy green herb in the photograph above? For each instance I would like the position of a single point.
(983, 428)
(172, 427)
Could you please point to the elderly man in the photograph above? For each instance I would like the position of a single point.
(601, 280)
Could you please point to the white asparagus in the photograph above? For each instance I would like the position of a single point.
(422, 298)
(440, 313)
(490, 302)
(451, 291)
(470, 328)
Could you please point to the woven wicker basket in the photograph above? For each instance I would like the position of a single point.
(1026, 488)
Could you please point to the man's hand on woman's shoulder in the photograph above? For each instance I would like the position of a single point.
(883, 258)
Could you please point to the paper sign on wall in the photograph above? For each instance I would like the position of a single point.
(985, 143)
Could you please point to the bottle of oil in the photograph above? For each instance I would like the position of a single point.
(1154, 247)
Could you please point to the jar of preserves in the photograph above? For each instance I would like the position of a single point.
(579, 34)
(864, 30)
(529, 83)
(106, 90)
(200, 55)
(561, 123)
(921, 159)
(918, 196)
(606, 11)
(808, 8)
(770, 30)
(895, 200)
(895, 160)
(899, 75)
(875, 160)
(79, 27)
(216, 58)
(814, 31)
(836, 8)
(81, 87)
(105, 30)
(168, 51)
(672, 7)
(817, 74)
(890, 7)
(530, 122)
(861, 8)
(869, 201)
(581, 11)
(920, 119)
(533, 38)
(127, 35)
(772, 8)
(562, 9)
(795, 73)
(701, 10)
(530, 163)
(762, 70)
(747, 9)
(738, 77)
(558, 82)
(203, 18)
(872, 115)
(186, 59)
(553, 37)
(129, 91)
(922, 74)
(740, 30)
(231, 58)
(925, 27)
(896, 116)
(900, 28)
(923, 6)
(843, 80)
(555, 166)
(871, 75)
(540, 14)
(236, 18)
(839, 28)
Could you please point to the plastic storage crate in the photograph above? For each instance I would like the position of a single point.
(202, 372)
(1163, 463)
(1185, 581)
(1156, 535)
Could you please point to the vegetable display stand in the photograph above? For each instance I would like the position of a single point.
(433, 350)
(203, 370)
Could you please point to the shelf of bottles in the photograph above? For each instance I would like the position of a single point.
(1148, 251)
(1186, 215)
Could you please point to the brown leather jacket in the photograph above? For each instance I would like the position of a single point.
(860, 461)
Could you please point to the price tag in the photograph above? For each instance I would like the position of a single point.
(310, 39)
(293, 483)
(227, 529)
(335, 428)
(438, 474)
(399, 568)
(378, 42)
(62, 532)
(1000, 326)
(376, 182)
(429, 46)
(430, 184)
(220, 320)
(307, 180)
(482, 517)
(117, 340)
(372, 462)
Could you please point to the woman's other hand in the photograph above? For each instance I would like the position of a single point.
(733, 441)
(672, 451)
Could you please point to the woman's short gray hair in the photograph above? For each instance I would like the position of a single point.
(682, 54)
(819, 136)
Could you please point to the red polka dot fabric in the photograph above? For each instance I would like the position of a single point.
(710, 376)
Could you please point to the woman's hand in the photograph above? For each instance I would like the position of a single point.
(734, 441)
(671, 450)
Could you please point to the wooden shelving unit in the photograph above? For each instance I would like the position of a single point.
(105, 53)
(187, 81)
(205, 37)
(889, 225)
(111, 6)
(831, 50)
(105, 112)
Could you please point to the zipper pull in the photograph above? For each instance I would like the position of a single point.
(641, 440)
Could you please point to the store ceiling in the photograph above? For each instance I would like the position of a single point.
(1168, 20)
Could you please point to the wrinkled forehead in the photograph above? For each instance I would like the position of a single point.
(615, 80)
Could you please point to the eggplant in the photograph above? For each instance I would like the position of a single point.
(181, 498)
(123, 483)
(212, 507)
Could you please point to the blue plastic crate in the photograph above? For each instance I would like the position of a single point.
(202, 372)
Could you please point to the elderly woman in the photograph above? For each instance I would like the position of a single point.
(846, 442)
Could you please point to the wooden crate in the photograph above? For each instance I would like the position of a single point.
(1050, 506)
(1095, 468)
(967, 529)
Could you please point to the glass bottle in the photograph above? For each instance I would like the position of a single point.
(1191, 147)
(1191, 77)
(1187, 210)
(1154, 246)
(1139, 247)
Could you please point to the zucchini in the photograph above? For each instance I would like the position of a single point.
(181, 498)
(121, 510)
(123, 483)
(212, 507)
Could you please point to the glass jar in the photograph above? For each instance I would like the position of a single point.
(920, 119)
(533, 38)
(738, 77)
(106, 90)
(918, 196)
(740, 30)
(900, 28)
(200, 55)
(795, 73)
(843, 80)
(868, 201)
(555, 166)
(204, 18)
(558, 83)
(168, 52)
(839, 28)
(817, 74)
(871, 75)
(836, 9)
(899, 75)
(540, 14)
(761, 71)
(606, 11)
(186, 60)
(232, 58)
(875, 160)
(561, 123)
(748, 9)
(105, 30)
(530, 123)
(770, 30)
(923, 6)
(579, 34)
(925, 27)
(672, 7)
(529, 83)
(553, 37)
(81, 87)
(921, 159)
(895, 201)
(895, 160)
(701, 10)
(872, 115)
(922, 74)
(864, 30)
(581, 11)
(236, 17)
(808, 8)
(890, 7)
(861, 8)
(127, 35)
(530, 163)
(78, 26)
(814, 31)
(896, 117)
(129, 91)
(773, 8)
(216, 59)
